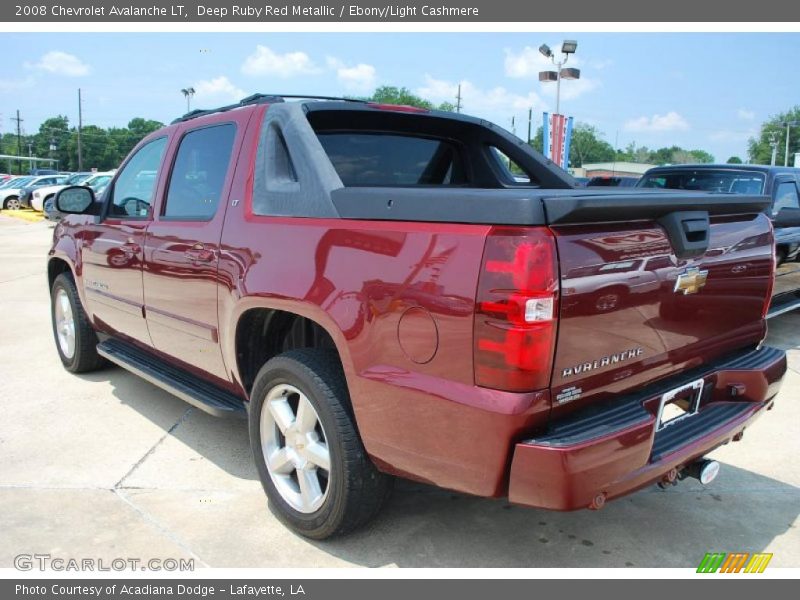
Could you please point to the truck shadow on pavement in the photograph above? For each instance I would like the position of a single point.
(423, 526)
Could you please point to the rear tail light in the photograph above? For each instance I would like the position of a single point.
(515, 315)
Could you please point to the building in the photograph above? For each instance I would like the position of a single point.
(612, 169)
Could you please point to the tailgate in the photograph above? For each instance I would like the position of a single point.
(652, 284)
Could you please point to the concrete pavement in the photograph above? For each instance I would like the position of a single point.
(107, 465)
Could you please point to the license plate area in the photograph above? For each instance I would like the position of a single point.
(679, 404)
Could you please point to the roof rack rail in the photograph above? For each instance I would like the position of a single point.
(257, 99)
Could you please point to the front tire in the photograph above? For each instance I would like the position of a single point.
(76, 340)
(308, 453)
(12, 203)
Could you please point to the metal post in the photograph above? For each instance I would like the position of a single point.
(786, 153)
(530, 118)
(558, 88)
(80, 126)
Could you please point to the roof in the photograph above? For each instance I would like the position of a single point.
(626, 167)
(729, 167)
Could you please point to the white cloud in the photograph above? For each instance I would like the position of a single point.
(527, 63)
(61, 63)
(727, 135)
(12, 85)
(264, 61)
(671, 121)
(570, 89)
(475, 99)
(360, 78)
(219, 88)
(745, 115)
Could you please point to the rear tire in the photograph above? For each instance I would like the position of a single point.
(76, 340)
(315, 501)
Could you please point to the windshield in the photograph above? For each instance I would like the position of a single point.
(706, 180)
(77, 178)
(98, 181)
(20, 182)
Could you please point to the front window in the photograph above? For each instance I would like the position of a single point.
(135, 187)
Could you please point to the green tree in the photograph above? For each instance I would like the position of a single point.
(760, 148)
(587, 146)
(53, 131)
(734, 160)
(389, 94)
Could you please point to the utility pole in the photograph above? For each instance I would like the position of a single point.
(788, 124)
(773, 142)
(458, 99)
(19, 141)
(80, 125)
(530, 118)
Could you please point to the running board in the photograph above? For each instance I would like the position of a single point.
(205, 396)
(783, 303)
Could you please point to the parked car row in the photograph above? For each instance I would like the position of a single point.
(33, 191)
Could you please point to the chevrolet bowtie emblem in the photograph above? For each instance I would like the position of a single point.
(691, 281)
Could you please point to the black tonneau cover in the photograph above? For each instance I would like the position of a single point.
(531, 206)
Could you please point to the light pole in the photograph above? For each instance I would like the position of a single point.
(788, 125)
(188, 93)
(567, 48)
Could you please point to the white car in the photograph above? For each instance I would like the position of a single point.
(93, 180)
(9, 194)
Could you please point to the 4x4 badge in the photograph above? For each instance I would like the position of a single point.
(691, 281)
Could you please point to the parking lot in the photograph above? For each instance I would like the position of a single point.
(107, 465)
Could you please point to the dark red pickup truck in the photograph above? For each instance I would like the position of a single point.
(387, 291)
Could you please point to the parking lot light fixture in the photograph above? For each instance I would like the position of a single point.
(567, 48)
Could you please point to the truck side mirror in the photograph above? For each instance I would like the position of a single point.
(788, 217)
(75, 200)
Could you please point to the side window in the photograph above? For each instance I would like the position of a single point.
(201, 165)
(135, 186)
(785, 197)
(510, 169)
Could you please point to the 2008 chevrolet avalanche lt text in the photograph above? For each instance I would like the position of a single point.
(386, 291)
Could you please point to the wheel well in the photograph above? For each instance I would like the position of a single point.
(263, 333)
(9, 199)
(56, 267)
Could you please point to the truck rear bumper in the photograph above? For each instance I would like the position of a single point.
(599, 455)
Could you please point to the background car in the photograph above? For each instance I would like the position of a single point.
(39, 194)
(98, 182)
(25, 193)
(9, 195)
(612, 181)
(782, 184)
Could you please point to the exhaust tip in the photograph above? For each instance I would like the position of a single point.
(709, 469)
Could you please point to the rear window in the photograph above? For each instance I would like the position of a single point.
(377, 159)
(707, 180)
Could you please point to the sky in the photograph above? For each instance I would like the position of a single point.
(708, 91)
